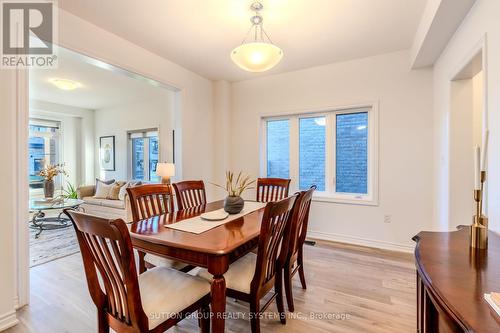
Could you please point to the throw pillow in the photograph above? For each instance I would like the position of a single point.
(107, 182)
(114, 192)
(102, 190)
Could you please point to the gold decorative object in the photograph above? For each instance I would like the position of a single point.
(479, 227)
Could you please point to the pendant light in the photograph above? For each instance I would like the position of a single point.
(259, 54)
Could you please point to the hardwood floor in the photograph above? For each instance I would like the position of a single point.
(350, 289)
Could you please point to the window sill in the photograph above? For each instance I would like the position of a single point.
(348, 201)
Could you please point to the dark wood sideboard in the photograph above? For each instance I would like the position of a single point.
(451, 282)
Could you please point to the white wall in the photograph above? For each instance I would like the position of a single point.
(482, 20)
(405, 136)
(117, 120)
(77, 137)
(222, 100)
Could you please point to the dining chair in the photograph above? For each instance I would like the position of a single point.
(147, 201)
(272, 189)
(251, 277)
(295, 260)
(151, 302)
(190, 193)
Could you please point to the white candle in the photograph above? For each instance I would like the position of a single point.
(477, 167)
(484, 149)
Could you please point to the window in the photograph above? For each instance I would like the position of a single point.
(144, 154)
(335, 150)
(278, 149)
(43, 148)
(312, 143)
(351, 153)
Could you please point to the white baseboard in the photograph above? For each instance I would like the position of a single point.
(361, 241)
(7, 320)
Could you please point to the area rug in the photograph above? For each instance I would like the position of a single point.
(52, 245)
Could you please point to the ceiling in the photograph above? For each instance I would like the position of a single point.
(101, 87)
(200, 34)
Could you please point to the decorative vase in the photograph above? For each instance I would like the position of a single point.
(48, 188)
(233, 204)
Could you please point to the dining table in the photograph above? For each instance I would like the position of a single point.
(215, 249)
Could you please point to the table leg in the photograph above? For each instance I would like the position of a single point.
(36, 223)
(218, 291)
(218, 266)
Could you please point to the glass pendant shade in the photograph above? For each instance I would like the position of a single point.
(256, 56)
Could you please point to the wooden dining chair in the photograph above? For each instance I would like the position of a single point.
(251, 277)
(295, 259)
(151, 302)
(147, 201)
(150, 200)
(190, 193)
(272, 189)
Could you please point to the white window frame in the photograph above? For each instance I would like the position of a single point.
(330, 113)
(145, 134)
(51, 122)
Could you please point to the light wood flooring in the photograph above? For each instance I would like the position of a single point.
(350, 289)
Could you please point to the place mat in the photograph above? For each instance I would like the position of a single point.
(197, 225)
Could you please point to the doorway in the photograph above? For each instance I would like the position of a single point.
(467, 127)
(52, 130)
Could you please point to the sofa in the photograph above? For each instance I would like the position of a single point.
(107, 208)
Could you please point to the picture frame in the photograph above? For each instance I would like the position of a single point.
(107, 153)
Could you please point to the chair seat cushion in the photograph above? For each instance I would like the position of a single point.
(164, 262)
(239, 275)
(166, 292)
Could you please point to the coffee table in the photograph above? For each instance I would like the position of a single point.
(41, 222)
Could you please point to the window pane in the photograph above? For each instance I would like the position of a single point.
(278, 149)
(42, 150)
(312, 153)
(153, 158)
(138, 158)
(36, 149)
(352, 153)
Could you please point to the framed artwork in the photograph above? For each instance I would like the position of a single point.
(107, 152)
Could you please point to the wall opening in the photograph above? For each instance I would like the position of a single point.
(467, 124)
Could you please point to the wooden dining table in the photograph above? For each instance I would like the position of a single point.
(214, 249)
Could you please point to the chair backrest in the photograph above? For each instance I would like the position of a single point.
(107, 252)
(272, 189)
(150, 200)
(272, 251)
(190, 193)
(300, 219)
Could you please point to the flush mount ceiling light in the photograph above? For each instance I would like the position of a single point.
(65, 84)
(259, 54)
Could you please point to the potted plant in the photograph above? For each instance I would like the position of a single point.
(233, 204)
(70, 192)
(48, 173)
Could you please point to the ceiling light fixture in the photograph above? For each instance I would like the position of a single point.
(65, 84)
(259, 54)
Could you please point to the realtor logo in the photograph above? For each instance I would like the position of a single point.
(28, 31)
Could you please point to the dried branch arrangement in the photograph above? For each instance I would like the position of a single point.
(235, 186)
(51, 171)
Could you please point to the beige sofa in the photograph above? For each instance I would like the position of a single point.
(106, 208)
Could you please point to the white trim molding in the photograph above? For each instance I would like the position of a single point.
(22, 195)
(8, 320)
(332, 237)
